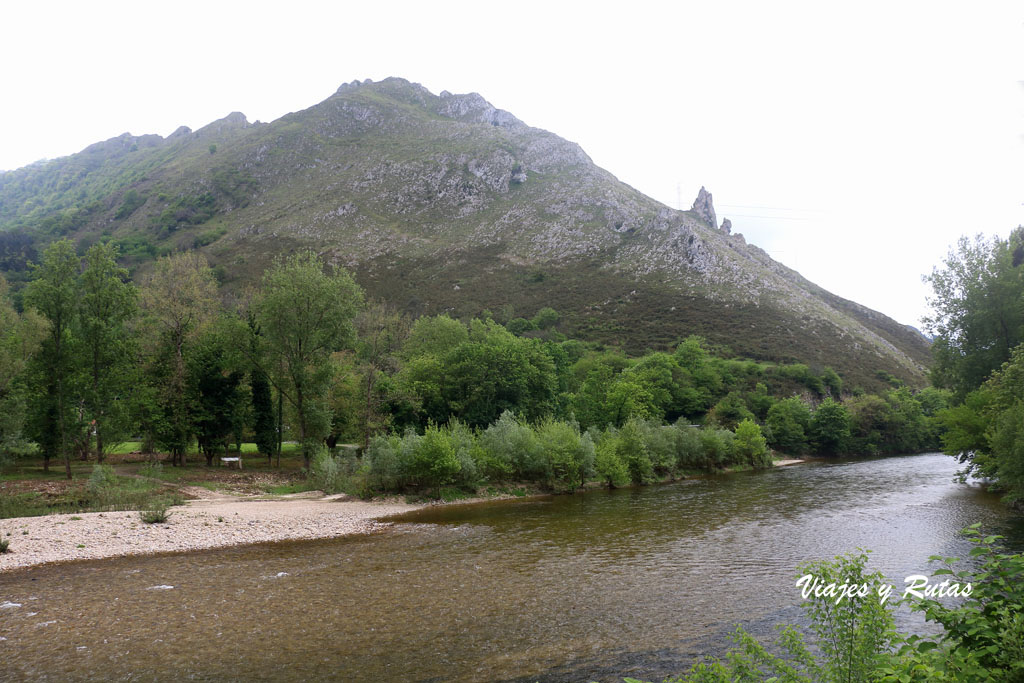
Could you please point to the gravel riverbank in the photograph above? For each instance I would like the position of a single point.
(215, 522)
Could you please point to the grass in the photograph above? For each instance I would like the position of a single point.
(124, 493)
(285, 489)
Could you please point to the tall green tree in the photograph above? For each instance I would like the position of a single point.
(306, 314)
(215, 372)
(178, 300)
(978, 310)
(789, 421)
(381, 333)
(264, 431)
(53, 292)
(107, 304)
(20, 336)
(830, 428)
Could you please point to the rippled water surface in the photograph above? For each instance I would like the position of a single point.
(576, 588)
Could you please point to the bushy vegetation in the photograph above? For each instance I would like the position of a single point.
(435, 403)
(982, 637)
(979, 355)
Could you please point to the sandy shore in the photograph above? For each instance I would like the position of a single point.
(215, 522)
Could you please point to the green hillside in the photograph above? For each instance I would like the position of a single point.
(444, 203)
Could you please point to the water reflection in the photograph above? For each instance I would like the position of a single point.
(588, 587)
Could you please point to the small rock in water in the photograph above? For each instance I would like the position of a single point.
(9, 605)
(161, 587)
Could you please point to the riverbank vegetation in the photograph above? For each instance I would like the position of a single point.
(978, 299)
(379, 402)
(981, 638)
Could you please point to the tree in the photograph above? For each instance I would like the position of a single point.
(305, 315)
(20, 337)
(53, 292)
(179, 299)
(749, 446)
(107, 304)
(978, 304)
(264, 431)
(381, 333)
(214, 386)
(830, 428)
(788, 421)
(730, 411)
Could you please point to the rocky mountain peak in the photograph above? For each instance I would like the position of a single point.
(704, 207)
(474, 108)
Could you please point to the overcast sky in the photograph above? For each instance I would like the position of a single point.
(854, 142)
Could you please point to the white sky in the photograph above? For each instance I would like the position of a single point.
(854, 142)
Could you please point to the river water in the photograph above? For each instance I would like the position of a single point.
(570, 588)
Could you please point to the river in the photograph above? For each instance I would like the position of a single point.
(570, 588)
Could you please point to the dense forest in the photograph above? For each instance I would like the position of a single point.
(89, 359)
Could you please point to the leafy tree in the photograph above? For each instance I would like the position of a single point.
(179, 299)
(569, 456)
(632, 450)
(759, 401)
(749, 446)
(789, 421)
(20, 337)
(495, 371)
(53, 292)
(107, 305)
(830, 428)
(263, 429)
(730, 411)
(305, 315)
(381, 334)
(609, 463)
(869, 423)
(434, 336)
(215, 372)
(434, 462)
(978, 304)
(546, 317)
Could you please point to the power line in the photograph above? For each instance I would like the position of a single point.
(767, 208)
(780, 218)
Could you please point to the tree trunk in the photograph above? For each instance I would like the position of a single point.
(280, 426)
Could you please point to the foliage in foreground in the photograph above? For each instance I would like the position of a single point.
(983, 638)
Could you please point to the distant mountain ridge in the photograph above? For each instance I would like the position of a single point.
(446, 203)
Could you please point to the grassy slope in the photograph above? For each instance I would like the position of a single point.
(381, 179)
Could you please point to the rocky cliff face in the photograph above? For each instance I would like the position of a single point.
(443, 202)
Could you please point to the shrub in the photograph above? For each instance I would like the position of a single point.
(689, 446)
(101, 479)
(329, 473)
(153, 469)
(984, 634)
(467, 453)
(568, 455)
(5, 545)
(717, 446)
(608, 463)
(156, 515)
(383, 463)
(511, 445)
(434, 462)
(660, 441)
(750, 447)
(633, 451)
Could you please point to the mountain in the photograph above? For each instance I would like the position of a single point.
(444, 203)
